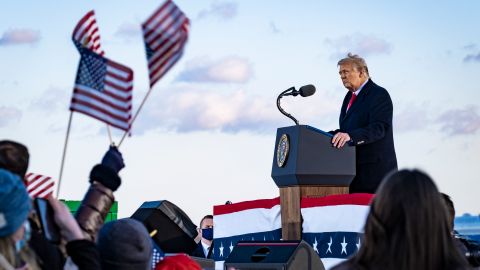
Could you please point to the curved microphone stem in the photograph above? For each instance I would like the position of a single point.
(280, 107)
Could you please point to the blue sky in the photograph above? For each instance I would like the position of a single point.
(207, 132)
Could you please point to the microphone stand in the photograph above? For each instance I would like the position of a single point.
(293, 92)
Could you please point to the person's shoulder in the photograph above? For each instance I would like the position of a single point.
(377, 87)
(378, 91)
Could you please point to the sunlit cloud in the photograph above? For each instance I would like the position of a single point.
(9, 115)
(19, 37)
(460, 121)
(220, 10)
(190, 110)
(227, 70)
(363, 45)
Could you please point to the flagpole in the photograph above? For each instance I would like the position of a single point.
(64, 153)
(135, 116)
(110, 135)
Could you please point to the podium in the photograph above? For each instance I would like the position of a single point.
(305, 164)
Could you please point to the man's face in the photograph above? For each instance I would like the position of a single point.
(352, 79)
(207, 223)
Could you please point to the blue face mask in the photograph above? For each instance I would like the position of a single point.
(207, 233)
(19, 245)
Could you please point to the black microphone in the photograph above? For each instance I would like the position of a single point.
(304, 91)
(307, 90)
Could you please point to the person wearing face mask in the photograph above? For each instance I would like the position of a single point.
(366, 123)
(16, 232)
(205, 246)
(15, 206)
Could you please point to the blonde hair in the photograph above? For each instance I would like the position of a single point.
(26, 255)
(357, 62)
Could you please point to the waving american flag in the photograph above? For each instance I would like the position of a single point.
(86, 34)
(165, 34)
(103, 88)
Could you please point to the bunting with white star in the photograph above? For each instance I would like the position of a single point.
(333, 225)
(257, 220)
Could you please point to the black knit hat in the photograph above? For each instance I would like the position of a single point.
(124, 244)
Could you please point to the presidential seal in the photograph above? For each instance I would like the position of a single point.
(282, 150)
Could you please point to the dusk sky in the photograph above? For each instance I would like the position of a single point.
(206, 134)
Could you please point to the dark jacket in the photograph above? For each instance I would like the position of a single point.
(369, 124)
(84, 254)
(49, 256)
(97, 202)
(198, 252)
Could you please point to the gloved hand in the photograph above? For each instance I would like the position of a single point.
(113, 159)
(107, 172)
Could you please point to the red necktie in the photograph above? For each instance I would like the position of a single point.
(352, 99)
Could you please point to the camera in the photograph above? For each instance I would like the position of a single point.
(50, 229)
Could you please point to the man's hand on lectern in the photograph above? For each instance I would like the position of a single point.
(340, 139)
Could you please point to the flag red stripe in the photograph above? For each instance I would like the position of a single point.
(164, 68)
(165, 58)
(160, 41)
(125, 127)
(247, 205)
(102, 100)
(36, 193)
(157, 12)
(96, 108)
(31, 188)
(120, 67)
(35, 178)
(82, 21)
(119, 88)
(85, 30)
(167, 51)
(118, 77)
(153, 30)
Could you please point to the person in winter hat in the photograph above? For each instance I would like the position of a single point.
(124, 244)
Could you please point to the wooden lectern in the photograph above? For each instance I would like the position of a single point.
(305, 164)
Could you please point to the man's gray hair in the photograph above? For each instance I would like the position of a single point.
(357, 62)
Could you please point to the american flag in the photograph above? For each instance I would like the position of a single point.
(165, 34)
(86, 33)
(39, 186)
(103, 90)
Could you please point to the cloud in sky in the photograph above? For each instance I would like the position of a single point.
(19, 37)
(460, 121)
(220, 10)
(411, 118)
(128, 30)
(230, 69)
(472, 57)
(51, 100)
(360, 44)
(190, 110)
(8, 115)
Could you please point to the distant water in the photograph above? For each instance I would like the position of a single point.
(468, 225)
